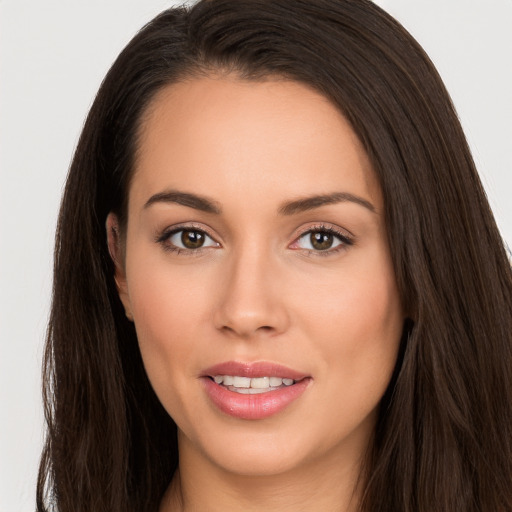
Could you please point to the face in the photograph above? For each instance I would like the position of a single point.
(257, 272)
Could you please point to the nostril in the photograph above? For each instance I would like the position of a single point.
(236, 316)
(263, 328)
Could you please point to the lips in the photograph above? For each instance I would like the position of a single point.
(253, 391)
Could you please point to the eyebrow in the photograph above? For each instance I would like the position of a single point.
(310, 203)
(186, 199)
(289, 208)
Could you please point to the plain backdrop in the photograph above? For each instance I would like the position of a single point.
(53, 55)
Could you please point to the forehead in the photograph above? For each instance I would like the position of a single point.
(226, 136)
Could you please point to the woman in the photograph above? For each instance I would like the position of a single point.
(275, 258)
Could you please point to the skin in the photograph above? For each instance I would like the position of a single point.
(259, 291)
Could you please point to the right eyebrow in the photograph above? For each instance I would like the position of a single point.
(185, 199)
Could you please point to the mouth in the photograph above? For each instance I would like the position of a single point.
(252, 386)
(253, 391)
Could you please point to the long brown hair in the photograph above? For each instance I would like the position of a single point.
(443, 441)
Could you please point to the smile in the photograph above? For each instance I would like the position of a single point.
(253, 391)
(254, 386)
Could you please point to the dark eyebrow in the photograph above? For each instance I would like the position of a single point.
(290, 208)
(309, 203)
(185, 199)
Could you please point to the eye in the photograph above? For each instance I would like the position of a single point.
(322, 240)
(187, 239)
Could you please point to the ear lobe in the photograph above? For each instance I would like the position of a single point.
(115, 250)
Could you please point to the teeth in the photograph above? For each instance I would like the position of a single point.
(250, 391)
(241, 382)
(252, 385)
(227, 380)
(276, 381)
(260, 382)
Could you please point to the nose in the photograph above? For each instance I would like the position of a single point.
(251, 302)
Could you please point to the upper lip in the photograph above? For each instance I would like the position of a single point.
(253, 370)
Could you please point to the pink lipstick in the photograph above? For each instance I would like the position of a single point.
(253, 391)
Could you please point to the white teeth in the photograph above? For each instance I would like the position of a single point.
(260, 382)
(250, 391)
(275, 381)
(254, 385)
(241, 382)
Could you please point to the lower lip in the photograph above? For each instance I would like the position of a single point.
(253, 407)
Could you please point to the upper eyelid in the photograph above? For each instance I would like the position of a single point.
(325, 226)
(191, 226)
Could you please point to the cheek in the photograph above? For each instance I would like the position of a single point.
(358, 335)
(166, 309)
(362, 297)
(357, 321)
(163, 296)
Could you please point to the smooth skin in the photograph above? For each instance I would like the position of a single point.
(259, 277)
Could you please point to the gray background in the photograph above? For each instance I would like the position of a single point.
(53, 55)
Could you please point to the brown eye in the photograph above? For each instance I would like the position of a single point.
(192, 239)
(188, 239)
(321, 241)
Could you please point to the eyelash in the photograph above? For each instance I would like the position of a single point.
(344, 239)
(164, 240)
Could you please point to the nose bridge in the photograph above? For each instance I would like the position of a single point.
(250, 301)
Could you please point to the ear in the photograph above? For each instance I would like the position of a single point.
(116, 253)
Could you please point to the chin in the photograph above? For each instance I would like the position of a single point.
(254, 449)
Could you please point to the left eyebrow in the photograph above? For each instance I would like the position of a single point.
(310, 203)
